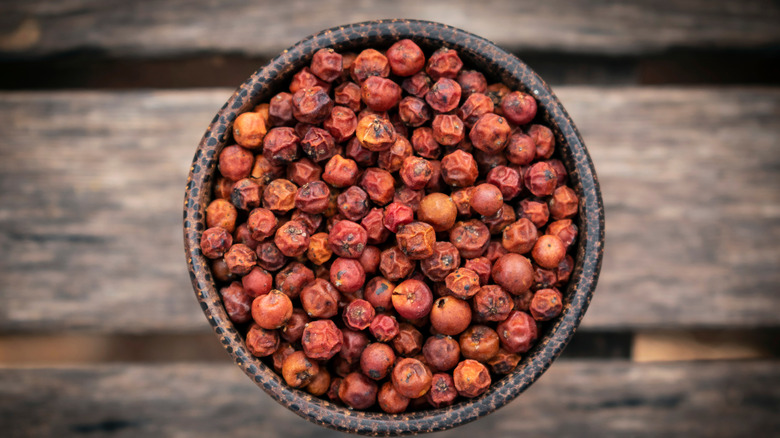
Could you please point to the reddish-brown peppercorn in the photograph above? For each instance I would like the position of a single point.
(560, 171)
(470, 237)
(243, 235)
(272, 310)
(412, 299)
(394, 264)
(416, 172)
(471, 378)
(496, 93)
(488, 161)
(369, 63)
(378, 184)
(418, 84)
(534, 211)
(441, 352)
(311, 105)
(264, 171)
(249, 130)
(444, 95)
(358, 391)
(450, 315)
(379, 292)
(518, 332)
(240, 259)
(362, 156)
(445, 260)
(327, 65)
(492, 303)
(347, 239)
(548, 251)
(293, 329)
(257, 282)
(416, 240)
(495, 251)
(490, 133)
(321, 339)
(507, 180)
(459, 169)
(523, 300)
(320, 384)
(475, 106)
(479, 343)
(376, 361)
(215, 242)
(514, 273)
(354, 344)
(279, 196)
(281, 353)
(319, 250)
(312, 222)
(409, 340)
(312, 197)
(546, 304)
(544, 139)
(348, 95)
(405, 58)
(462, 200)
(564, 270)
(520, 237)
(353, 203)
(448, 129)
(392, 159)
(281, 145)
(370, 259)
(293, 278)
(503, 362)
(380, 94)
(443, 392)
(540, 179)
(373, 223)
(521, 149)
(497, 223)
(280, 110)
(292, 239)
(261, 342)
(544, 278)
(397, 215)
(486, 199)
(412, 198)
(384, 327)
(237, 303)
(375, 133)
(424, 143)
(245, 194)
(320, 299)
(222, 188)
(438, 210)
(303, 171)
(340, 172)
(306, 79)
(564, 203)
(390, 400)
(411, 378)
(235, 162)
(269, 257)
(347, 275)
(444, 63)
(463, 283)
(318, 144)
(472, 81)
(518, 107)
(482, 266)
(298, 371)
(333, 391)
(413, 111)
(565, 229)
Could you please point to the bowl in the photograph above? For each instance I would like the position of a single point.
(497, 65)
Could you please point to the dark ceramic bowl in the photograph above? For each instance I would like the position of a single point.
(498, 65)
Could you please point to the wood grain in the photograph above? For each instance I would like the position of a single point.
(176, 27)
(91, 187)
(574, 398)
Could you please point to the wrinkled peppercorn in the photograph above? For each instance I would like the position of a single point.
(319, 250)
(375, 133)
(347, 239)
(411, 378)
(519, 107)
(340, 172)
(390, 400)
(353, 203)
(292, 239)
(269, 257)
(544, 139)
(279, 196)
(409, 340)
(376, 361)
(413, 111)
(370, 259)
(237, 303)
(563, 203)
(445, 260)
(327, 65)
(546, 304)
(215, 242)
(392, 158)
(394, 264)
(354, 344)
(416, 240)
(470, 237)
(240, 259)
(373, 223)
(518, 332)
(405, 58)
(444, 63)
(358, 391)
(261, 342)
(384, 327)
(293, 328)
(492, 303)
(536, 212)
(272, 310)
(418, 84)
(565, 229)
(320, 299)
(321, 339)
(221, 213)
(482, 266)
(479, 343)
(503, 362)
(298, 371)
(490, 133)
(444, 95)
(459, 169)
(448, 129)
(520, 237)
(293, 278)
(358, 314)
(380, 94)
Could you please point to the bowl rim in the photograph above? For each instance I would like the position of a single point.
(490, 59)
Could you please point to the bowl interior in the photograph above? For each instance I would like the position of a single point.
(497, 65)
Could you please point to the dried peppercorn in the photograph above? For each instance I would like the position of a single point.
(215, 242)
(412, 299)
(292, 239)
(237, 302)
(405, 58)
(272, 310)
(326, 64)
(318, 144)
(540, 179)
(312, 197)
(441, 352)
(563, 203)
(243, 235)
(471, 378)
(321, 339)
(298, 371)
(394, 264)
(353, 203)
(492, 303)
(340, 172)
(495, 251)
(520, 237)
(358, 314)
(240, 259)
(450, 315)
(444, 63)
(257, 282)
(544, 139)
(471, 237)
(245, 194)
(445, 260)
(520, 149)
(319, 250)
(347, 239)
(261, 342)
(384, 327)
(415, 172)
(409, 340)
(222, 188)
(269, 257)
(514, 273)
(413, 111)
(416, 240)
(320, 299)
(373, 223)
(354, 344)
(264, 171)
(411, 378)
(320, 384)
(249, 130)
(518, 332)
(519, 107)
(486, 199)
(444, 95)
(418, 84)
(548, 251)
(278, 357)
(306, 79)
(369, 63)
(412, 198)
(293, 278)
(235, 162)
(463, 283)
(496, 93)
(564, 270)
(462, 200)
(221, 213)
(370, 259)
(443, 392)
(490, 133)
(362, 156)
(459, 169)
(333, 391)
(375, 133)
(311, 105)
(279, 196)
(376, 361)
(348, 95)
(546, 304)
(424, 143)
(390, 400)
(497, 223)
(448, 129)
(280, 110)
(475, 106)
(293, 328)
(482, 266)
(281, 145)
(379, 292)
(503, 362)
(303, 171)
(380, 94)
(438, 210)
(535, 211)
(507, 180)
(479, 343)
(472, 81)
(358, 391)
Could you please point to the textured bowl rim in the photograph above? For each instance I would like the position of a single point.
(492, 60)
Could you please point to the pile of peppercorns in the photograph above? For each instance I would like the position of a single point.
(394, 228)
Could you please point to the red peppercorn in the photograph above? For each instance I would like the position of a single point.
(319, 250)
(470, 237)
(503, 362)
(416, 172)
(518, 332)
(445, 260)
(544, 139)
(261, 342)
(459, 169)
(479, 343)
(362, 156)
(373, 223)
(411, 378)
(564, 270)
(264, 171)
(490, 133)
(369, 63)
(424, 143)
(293, 278)
(394, 264)
(450, 315)
(520, 237)
(306, 79)
(327, 65)
(444, 63)
(417, 85)
(358, 391)
(340, 172)
(280, 111)
(215, 242)
(348, 95)
(463, 283)
(321, 339)
(405, 58)
(412, 299)
(443, 392)
(347, 239)
(298, 371)
(320, 299)
(390, 400)
(444, 95)
(320, 384)
(272, 310)
(471, 378)
(269, 257)
(293, 329)
(384, 327)
(379, 292)
(486, 199)
(375, 133)
(370, 259)
(245, 194)
(564, 203)
(279, 196)
(475, 106)
(416, 240)
(519, 107)
(237, 303)
(235, 162)
(482, 266)
(257, 282)
(548, 251)
(347, 275)
(240, 259)
(312, 197)
(281, 145)
(536, 212)
(413, 111)
(354, 344)
(492, 303)
(507, 180)
(376, 361)
(565, 229)
(353, 203)
(397, 215)
(514, 273)
(243, 235)
(546, 304)
(311, 105)
(292, 239)
(249, 130)
(540, 179)
(380, 94)
(441, 352)
(378, 184)
(520, 149)
(409, 340)
(448, 129)
(318, 144)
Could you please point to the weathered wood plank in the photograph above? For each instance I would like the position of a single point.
(91, 186)
(574, 398)
(177, 27)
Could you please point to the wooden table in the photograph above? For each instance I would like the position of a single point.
(92, 179)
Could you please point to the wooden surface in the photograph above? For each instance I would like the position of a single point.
(91, 185)
(574, 398)
(176, 27)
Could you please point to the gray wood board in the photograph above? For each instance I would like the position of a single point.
(91, 190)
(574, 398)
(118, 28)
